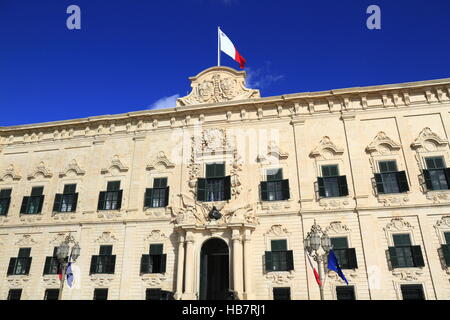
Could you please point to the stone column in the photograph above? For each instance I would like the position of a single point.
(237, 263)
(247, 266)
(180, 266)
(189, 270)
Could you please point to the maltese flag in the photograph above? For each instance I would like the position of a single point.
(227, 46)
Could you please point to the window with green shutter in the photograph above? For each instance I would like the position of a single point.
(437, 176)
(281, 293)
(105, 262)
(21, 264)
(5, 201)
(33, 204)
(14, 294)
(158, 196)
(101, 294)
(67, 201)
(403, 254)
(346, 256)
(155, 261)
(275, 188)
(111, 199)
(279, 258)
(331, 184)
(345, 293)
(412, 292)
(51, 265)
(51, 294)
(215, 186)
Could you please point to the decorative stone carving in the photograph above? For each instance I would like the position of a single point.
(273, 151)
(58, 239)
(157, 213)
(392, 200)
(428, 141)
(40, 169)
(28, 218)
(280, 277)
(382, 145)
(154, 280)
(218, 84)
(161, 158)
(236, 167)
(407, 274)
(331, 204)
(326, 149)
(444, 222)
(74, 167)
(106, 237)
(438, 196)
(155, 236)
(26, 240)
(101, 280)
(10, 173)
(115, 163)
(398, 224)
(51, 281)
(277, 230)
(18, 281)
(109, 214)
(275, 206)
(337, 227)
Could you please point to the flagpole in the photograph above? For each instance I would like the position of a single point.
(218, 46)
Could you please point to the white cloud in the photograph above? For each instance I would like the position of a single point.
(165, 102)
(261, 77)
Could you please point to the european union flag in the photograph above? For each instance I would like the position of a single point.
(333, 264)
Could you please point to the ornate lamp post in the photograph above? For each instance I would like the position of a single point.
(317, 245)
(62, 254)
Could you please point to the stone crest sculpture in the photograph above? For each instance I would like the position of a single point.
(218, 84)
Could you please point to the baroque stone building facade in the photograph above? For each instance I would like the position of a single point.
(154, 187)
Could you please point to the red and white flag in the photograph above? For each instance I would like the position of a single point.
(316, 274)
(228, 47)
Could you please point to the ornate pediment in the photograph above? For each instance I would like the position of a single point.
(326, 149)
(218, 84)
(382, 144)
(336, 227)
(162, 159)
(273, 151)
(26, 240)
(106, 237)
(10, 173)
(398, 224)
(115, 165)
(428, 140)
(40, 170)
(74, 167)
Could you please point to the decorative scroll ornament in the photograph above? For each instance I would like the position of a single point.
(326, 149)
(40, 169)
(10, 173)
(336, 227)
(72, 167)
(382, 144)
(155, 236)
(26, 240)
(218, 84)
(428, 140)
(162, 159)
(106, 237)
(444, 222)
(277, 230)
(115, 164)
(273, 151)
(398, 224)
(281, 277)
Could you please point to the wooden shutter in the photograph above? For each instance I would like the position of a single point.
(41, 203)
(351, 258)
(101, 200)
(447, 175)
(148, 198)
(321, 185)
(47, 265)
(269, 261)
(290, 260)
(201, 189)
(145, 263)
(166, 199)
(11, 267)
(379, 182)
(227, 188)
(7, 203)
(427, 178)
(119, 199)
(417, 256)
(264, 191)
(94, 262)
(393, 256)
(24, 206)
(446, 253)
(285, 189)
(111, 266)
(343, 188)
(74, 202)
(163, 263)
(402, 181)
(57, 203)
(27, 264)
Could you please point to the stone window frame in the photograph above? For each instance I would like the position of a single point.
(442, 226)
(14, 186)
(278, 232)
(46, 193)
(78, 180)
(281, 285)
(333, 286)
(398, 289)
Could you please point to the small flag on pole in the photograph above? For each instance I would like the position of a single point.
(69, 274)
(333, 264)
(316, 274)
(228, 47)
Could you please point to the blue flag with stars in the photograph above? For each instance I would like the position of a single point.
(333, 264)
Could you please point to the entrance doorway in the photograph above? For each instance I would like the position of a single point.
(214, 270)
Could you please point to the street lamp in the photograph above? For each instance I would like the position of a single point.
(62, 254)
(317, 245)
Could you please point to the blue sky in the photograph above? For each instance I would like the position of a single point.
(130, 54)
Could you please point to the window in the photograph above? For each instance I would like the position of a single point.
(21, 264)
(216, 186)
(403, 254)
(331, 184)
(155, 261)
(437, 177)
(105, 262)
(279, 258)
(281, 293)
(5, 200)
(346, 256)
(446, 249)
(275, 188)
(158, 196)
(345, 293)
(390, 180)
(51, 294)
(33, 204)
(14, 294)
(51, 263)
(66, 202)
(412, 292)
(111, 199)
(158, 294)
(101, 294)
